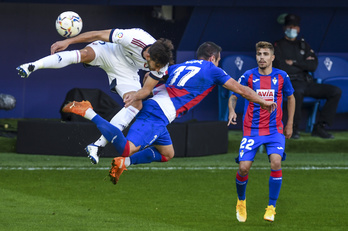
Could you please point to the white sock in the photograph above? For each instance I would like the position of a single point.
(58, 60)
(127, 162)
(90, 113)
(101, 142)
(121, 120)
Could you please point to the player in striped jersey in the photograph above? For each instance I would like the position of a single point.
(261, 127)
(148, 139)
(121, 53)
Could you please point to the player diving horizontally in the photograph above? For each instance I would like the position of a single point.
(262, 128)
(121, 54)
(148, 139)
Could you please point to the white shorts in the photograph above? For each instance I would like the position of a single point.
(123, 77)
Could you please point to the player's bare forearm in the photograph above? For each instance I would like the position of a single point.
(291, 111)
(232, 116)
(86, 37)
(91, 36)
(250, 95)
(132, 97)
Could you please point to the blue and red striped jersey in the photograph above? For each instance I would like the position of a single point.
(191, 81)
(275, 86)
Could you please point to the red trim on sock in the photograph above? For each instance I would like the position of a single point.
(164, 159)
(242, 178)
(276, 173)
(126, 150)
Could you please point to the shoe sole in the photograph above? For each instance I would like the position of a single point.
(93, 160)
(22, 72)
(270, 220)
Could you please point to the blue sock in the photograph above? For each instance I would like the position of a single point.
(275, 183)
(111, 133)
(147, 155)
(241, 183)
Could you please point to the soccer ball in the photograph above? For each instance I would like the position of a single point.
(69, 24)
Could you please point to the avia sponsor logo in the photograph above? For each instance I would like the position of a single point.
(266, 94)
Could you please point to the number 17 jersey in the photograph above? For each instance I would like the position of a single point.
(187, 85)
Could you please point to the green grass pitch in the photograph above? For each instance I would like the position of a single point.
(42, 192)
(68, 193)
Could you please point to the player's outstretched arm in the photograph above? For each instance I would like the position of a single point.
(250, 95)
(141, 94)
(86, 37)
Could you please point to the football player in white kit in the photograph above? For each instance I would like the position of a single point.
(121, 53)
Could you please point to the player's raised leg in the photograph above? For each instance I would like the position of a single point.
(55, 61)
(148, 155)
(121, 120)
(110, 132)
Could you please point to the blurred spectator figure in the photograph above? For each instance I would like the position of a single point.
(296, 57)
(7, 102)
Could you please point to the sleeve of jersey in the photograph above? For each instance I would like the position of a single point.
(157, 75)
(120, 36)
(287, 89)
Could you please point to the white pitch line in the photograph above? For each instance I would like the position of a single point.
(168, 168)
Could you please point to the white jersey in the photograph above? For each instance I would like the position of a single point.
(121, 58)
(133, 42)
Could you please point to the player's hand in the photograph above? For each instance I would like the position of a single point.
(232, 118)
(129, 98)
(270, 106)
(59, 46)
(288, 131)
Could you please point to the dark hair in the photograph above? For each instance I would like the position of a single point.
(263, 44)
(161, 52)
(207, 49)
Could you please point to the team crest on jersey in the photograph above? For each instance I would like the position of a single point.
(119, 35)
(266, 94)
(274, 80)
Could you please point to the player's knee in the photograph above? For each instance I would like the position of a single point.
(276, 164)
(167, 156)
(243, 170)
(87, 55)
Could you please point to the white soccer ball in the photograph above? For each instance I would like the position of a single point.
(69, 24)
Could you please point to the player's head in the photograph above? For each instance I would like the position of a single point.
(291, 26)
(160, 54)
(264, 54)
(209, 51)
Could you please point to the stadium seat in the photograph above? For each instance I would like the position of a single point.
(341, 82)
(330, 66)
(235, 66)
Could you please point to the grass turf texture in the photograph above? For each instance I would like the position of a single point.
(72, 194)
(39, 192)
